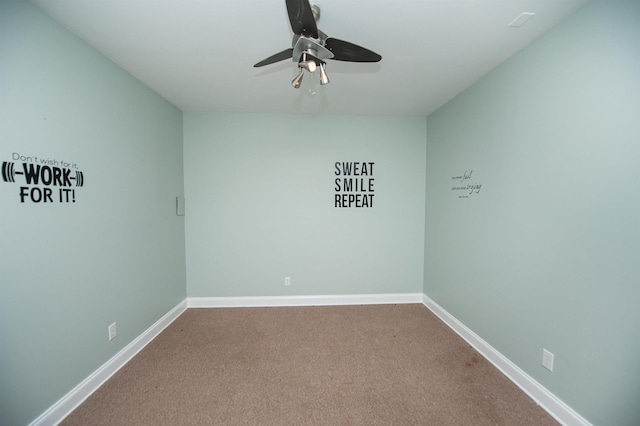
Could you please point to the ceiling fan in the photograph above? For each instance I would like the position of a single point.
(311, 47)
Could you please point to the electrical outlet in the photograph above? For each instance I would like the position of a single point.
(112, 331)
(287, 280)
(547, 360)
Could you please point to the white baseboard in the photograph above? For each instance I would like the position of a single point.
(273, 301)
(61, 409)
(551, 403)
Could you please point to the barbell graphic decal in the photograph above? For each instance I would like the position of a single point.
(35, 174)
(8, 173)
(41, 182)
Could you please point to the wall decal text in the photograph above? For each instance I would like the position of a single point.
(464, 185)
(43, 180)
(354, 186)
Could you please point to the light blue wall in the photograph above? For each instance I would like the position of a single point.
(68, 270)
(546, 254)
(541, 256)
(260, 205)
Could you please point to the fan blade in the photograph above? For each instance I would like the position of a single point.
(301, 18)
(281, 56)
(345, 51)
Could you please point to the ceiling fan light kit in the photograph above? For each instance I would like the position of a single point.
(311, 47)
(296, 82)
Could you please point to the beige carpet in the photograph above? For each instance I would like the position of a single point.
(338, 365)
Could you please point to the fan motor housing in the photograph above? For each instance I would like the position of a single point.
(301, 44)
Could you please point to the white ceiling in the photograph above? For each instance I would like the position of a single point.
(199, 54)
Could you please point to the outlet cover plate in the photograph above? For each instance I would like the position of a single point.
(112, 331)
(547, 360)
